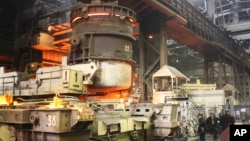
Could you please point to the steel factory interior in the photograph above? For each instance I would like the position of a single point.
(121, 70)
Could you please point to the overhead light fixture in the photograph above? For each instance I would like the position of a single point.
(150, 36)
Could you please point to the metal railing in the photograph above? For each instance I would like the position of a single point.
(203, 27)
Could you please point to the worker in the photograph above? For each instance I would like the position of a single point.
(212, 125)
(201, 126)
(226, 120)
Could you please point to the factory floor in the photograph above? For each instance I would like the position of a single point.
(196, 138)
(208, 137)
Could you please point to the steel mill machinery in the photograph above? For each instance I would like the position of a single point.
(84, 97)
(88, 95)
(175, 115)
(207, 96)
(179, 103)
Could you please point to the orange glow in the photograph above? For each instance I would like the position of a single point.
(114, 93)
(117, 96)
(63, 49)
(103, 14)
(60, 27)
(53, 56)
(6, 99)
(136, 31)
(6, 58)
(75, 19)
(61, 41)
(62, 32)
(131, 20)
(98, 14)
(91, 14)
(107, 89)
(41, 47)
(57, 103)
(47, 64)
(32, 78)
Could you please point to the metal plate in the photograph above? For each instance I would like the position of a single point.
(41, 136)
(14, 116)
(54, 120)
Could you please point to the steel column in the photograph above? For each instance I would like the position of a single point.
(142, 64)
(163, 44)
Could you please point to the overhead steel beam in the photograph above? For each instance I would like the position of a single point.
(168, 12)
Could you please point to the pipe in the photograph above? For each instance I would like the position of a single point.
(166, 11)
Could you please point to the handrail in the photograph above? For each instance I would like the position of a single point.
(200, 25)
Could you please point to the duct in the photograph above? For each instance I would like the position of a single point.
(166, 11)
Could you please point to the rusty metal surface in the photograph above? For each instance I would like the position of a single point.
(53, 120)
(14, 116)
(104, 34)
(23, 135)
(90, 39)
(47, 125)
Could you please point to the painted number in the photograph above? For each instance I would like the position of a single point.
(51, 120)
(127, 48)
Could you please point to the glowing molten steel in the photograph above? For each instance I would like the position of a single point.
(57, 103)
(6, 100)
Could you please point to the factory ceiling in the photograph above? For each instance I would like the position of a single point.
(8, 13)
(11, 11)
(18, 16)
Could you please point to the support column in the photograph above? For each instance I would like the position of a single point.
(237, 81)
(248, 86)
(205, 69)
(220, 79)
(244, 80)
(232, 74)
(211, 10)
(224, 66)
(142, 65)
(163, 39)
